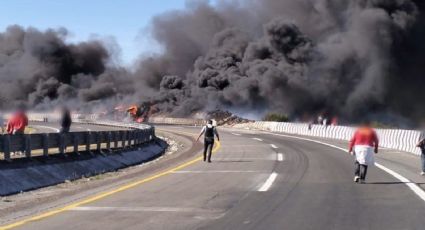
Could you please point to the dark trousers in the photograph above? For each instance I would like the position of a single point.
(64, 130)
(423, 160)
(360, 170)
(208, 146)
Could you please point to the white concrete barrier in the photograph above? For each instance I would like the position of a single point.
(403, 140)
(176, 121)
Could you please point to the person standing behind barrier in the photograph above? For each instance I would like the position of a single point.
(209, 131)
(17, 122)
(363, 145)
(421, 145)
(66, 120)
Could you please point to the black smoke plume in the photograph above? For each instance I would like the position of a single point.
(40, 69)
(347, 57)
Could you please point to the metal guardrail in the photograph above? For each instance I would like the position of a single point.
(100, 141)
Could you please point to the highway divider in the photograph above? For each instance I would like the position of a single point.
(399, 139)
(176, 121)
(53, 158)
(403, 140)
(131, 136)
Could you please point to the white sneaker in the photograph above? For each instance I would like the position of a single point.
(422, 173)
(356, 179)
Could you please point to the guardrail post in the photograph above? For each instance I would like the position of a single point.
(115, 137)
(88, 137)
(129, 138)
(123, 139)
(6, 147)
(62, 143)
(142, 136)
(137, 139)
(148, 134)
(46, 145)
(75, 143)
(98, 142)
(108, 142)
(28, 146)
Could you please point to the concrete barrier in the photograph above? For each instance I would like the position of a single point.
(104, 151)
(24, 174)
(403, 140)
(176, 121)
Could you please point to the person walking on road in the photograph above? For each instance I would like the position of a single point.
(66, 120)
(421, 145)
(363, 145)
(208, 131)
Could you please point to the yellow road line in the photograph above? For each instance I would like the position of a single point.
(106, 194)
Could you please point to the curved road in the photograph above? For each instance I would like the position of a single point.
(256, 181)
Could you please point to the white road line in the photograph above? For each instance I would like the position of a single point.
(269, 182)
(412, 186)
(280, 157)
(236, 134)
(257, 139)
(46, 127)
(218, 171)
(273, 146)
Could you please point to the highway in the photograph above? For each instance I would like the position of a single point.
(257, 181)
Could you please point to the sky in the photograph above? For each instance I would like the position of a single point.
(126, 21)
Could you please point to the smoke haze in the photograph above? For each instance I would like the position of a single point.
(346, 57)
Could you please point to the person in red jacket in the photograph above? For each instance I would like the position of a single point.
(363, 145)
(17, 122)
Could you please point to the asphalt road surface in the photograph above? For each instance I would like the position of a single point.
(256, 181)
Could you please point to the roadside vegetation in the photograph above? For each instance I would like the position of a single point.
(278, 117)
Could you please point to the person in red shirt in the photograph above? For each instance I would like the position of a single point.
(17, 123)
(363, 145)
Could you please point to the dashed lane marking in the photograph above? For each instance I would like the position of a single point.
(280, 157)
(269, 182)
(412, 186)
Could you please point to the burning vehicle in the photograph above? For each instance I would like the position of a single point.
(135, 113)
